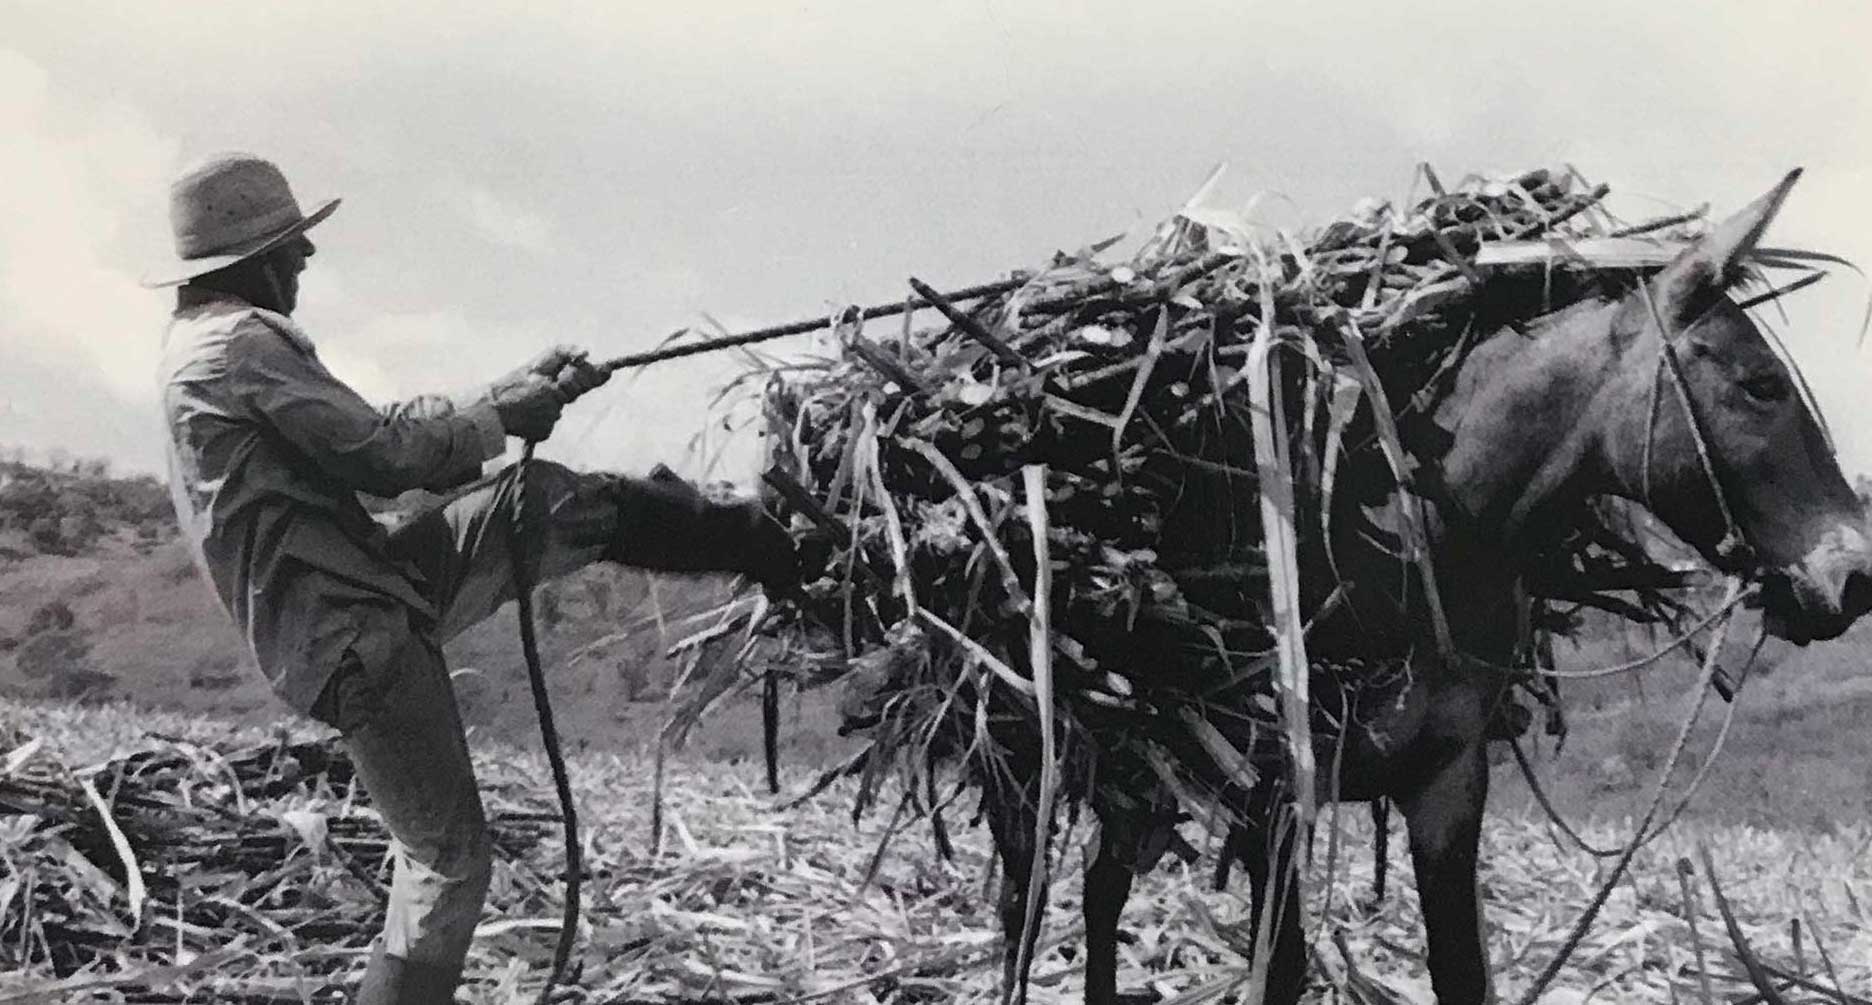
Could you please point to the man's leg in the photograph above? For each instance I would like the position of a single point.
(412, 757)
(659, 523)
(462, 547)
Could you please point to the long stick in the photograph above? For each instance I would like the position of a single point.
(802, 327)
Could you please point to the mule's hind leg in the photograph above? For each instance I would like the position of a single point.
(1381, 849)
(1265, 847)
(1445, 821)
(1107, 886)
(1011, 819)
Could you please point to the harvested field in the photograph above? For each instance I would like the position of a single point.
(746, 903)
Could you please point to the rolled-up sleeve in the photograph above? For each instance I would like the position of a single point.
(384, 452)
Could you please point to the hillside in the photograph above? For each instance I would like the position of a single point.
(100, 602)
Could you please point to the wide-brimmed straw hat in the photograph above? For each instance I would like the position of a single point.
(227, 208)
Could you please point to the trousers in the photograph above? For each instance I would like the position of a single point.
(395, 708)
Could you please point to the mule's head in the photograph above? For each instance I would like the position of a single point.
(1726, 450)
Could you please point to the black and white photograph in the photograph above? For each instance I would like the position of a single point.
(1002, 502)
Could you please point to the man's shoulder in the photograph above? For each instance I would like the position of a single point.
(231, 326)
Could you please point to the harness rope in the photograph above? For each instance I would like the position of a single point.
(549, 733)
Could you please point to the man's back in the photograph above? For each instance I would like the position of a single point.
(278, 529)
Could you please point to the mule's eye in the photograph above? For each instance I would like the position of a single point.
(1765, 387)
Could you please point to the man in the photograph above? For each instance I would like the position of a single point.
(268, 452)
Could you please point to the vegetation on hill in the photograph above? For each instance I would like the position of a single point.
(67, 507)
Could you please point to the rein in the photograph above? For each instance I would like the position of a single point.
(542, 706)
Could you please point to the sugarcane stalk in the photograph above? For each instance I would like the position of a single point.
(1579, 206)
(804, 501)
(968, 325)
(1457, 258)
(1078, 296)
(882, 363)
(1662, 222)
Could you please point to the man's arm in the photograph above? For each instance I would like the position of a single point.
(384, 452)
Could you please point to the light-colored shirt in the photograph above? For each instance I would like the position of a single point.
(267, 454)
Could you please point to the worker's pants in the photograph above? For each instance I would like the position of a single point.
(399, 718)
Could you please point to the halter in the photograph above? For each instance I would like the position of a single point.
(1733, 548)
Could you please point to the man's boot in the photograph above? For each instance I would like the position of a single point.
(392, 980)
(665, 524)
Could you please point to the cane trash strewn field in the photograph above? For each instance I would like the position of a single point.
(276, 891)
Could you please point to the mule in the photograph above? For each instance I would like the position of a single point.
(1668, 396)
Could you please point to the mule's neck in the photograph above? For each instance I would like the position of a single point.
(1523, 437)
(1523, 446)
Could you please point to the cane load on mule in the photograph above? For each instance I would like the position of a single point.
(1252, 521)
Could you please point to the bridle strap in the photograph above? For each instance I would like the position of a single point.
(1733, 547)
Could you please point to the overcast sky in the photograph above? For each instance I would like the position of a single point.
(521, 175)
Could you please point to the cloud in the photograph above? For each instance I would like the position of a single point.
(82, 179)
(497, 220)
(520, 176)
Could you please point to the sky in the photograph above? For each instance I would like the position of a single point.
(516, 176)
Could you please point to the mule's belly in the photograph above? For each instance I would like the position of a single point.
(1404, 734)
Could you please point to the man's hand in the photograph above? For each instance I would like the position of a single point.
(530, 399)
(570, 369)
(528, 407)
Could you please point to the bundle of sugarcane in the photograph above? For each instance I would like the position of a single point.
(1147, 433)
(271, 841)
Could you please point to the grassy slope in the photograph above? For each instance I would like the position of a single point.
(1796, 754)
(146, 622)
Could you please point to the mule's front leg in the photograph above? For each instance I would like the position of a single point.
(1011, 819)
(1107, 887)
(1445, 821)
(1265, 846)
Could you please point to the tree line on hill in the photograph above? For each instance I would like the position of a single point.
(66, 506)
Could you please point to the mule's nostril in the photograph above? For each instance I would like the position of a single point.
(1856, 597)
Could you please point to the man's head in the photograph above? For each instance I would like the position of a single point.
(269, 279)
(238, 229)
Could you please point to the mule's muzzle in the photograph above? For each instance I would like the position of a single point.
(1817, 600)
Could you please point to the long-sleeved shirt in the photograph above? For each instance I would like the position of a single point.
(267, 452)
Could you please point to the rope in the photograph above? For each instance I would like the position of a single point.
(906, 306)
(549, 733)
(1584, 924)
(1641, 662)
(1553, 812)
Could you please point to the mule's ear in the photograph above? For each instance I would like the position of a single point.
(1689, 286)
